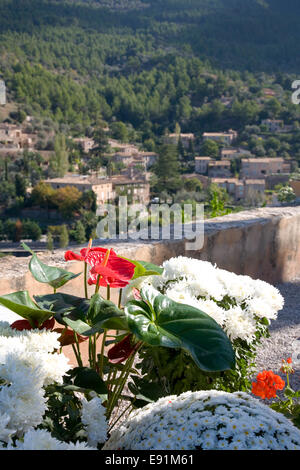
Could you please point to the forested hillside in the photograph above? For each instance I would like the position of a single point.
(148, 63)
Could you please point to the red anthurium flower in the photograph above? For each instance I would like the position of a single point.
(25, 325)
(121, 351)
(68, 337)
(113, 270)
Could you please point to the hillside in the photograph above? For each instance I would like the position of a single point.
(148, 63)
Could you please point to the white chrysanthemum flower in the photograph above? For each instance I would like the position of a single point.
(27, 364)
(5, 431)
(239, 324)
(258, 307)
(94, 420)
(40, 439)
(271, 430)
(22, 399)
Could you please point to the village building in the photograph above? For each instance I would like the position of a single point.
(85, 143)
(146, 159)
(103, 188)
(240, 190)
(201, 164)
(230, 153)
(273, 125)
(173, 139)
(136, 190)
(219, 169)
(259, 168)
(222, 137)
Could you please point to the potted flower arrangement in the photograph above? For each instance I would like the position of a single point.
(176, 311)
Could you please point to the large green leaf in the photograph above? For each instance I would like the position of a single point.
(21, 303)
(159, 321)
(85, 316)
(55, 277)
(87, 378)
(143, 268)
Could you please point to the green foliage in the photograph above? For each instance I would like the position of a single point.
(63, 237)
(167, 170)
(55, 277)
(79, 232)
(286, 194)
(21, 303)
(174, 369)
(159, 321)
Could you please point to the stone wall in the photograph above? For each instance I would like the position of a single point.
(262, 243)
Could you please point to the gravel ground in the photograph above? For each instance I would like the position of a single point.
(284, 333)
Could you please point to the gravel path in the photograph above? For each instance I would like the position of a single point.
(284, 332)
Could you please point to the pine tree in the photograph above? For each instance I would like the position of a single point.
(79, 232)
(167, 170)
(59, 164)
(63, 237)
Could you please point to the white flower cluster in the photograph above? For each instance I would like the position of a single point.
(206, 420)
(235, 302)
(40, 439)
(27, 364)
(94, 420)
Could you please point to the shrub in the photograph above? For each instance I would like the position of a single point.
(202, 420)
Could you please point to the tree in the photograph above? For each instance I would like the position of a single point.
(119, 131)
(50, 244)
(42, 195)
(20, 185)
(59, 164)
(63, 237)
(167, 170)
(286, 194)
(32, 230)
(210, 148)
(79, 233)
(67, 200)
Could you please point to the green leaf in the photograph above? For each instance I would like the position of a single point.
(144, 391)
(87, 378)
(62, 304)
(85, 316)
(159, 321)
(55, 277)
(21, 303)
(143, 268)
(289, 392)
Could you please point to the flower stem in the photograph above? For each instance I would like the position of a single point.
(85, 281)
(120, 298)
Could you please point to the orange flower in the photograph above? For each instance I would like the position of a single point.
(289, 360)
(266, 384)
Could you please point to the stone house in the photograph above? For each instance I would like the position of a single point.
(201, 164)
(222, 137)
(219, 169)
(259, 168)
(103, 188)
(174, 138)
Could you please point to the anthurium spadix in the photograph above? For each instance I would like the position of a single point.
(159, 321)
